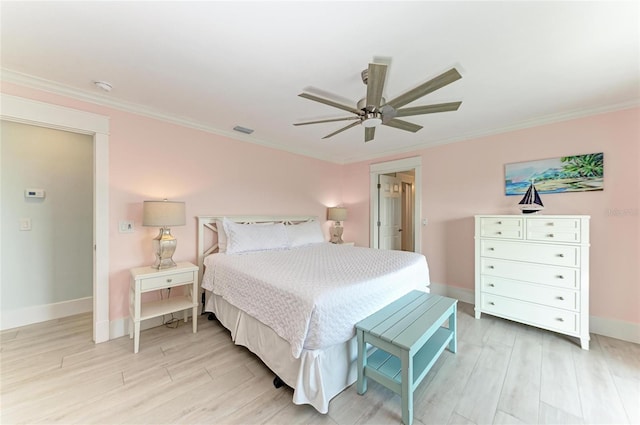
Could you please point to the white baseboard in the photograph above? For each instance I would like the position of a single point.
(618, 329)
(41, 313)
(612, 328)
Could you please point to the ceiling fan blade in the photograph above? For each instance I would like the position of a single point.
(342, 129)
(428, 109)
(369, 132)
(330, 103)
(430, 86)
(330, 120)
(375, 84)
(403, 125)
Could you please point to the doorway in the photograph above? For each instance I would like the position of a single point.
(49, 227)
(17, 109)
(395, 204)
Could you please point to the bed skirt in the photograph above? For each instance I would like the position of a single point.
(316, 377)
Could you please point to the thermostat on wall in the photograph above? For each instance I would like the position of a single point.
(34, 193)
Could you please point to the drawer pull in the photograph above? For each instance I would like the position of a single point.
(499, 222)
(169, 280)
(492, 285)
(492, 303)
(550, 235)
(550, 223)
(560, 298)
(498, 233)
(561, 255)
(559, 319)
(560, 276)
(491, 249)
(490, 267)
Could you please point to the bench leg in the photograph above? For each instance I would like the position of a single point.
(362, 362)
(407, 388)
(453, 327)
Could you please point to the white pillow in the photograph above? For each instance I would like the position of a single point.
(222, 237)
(306, 233)
(254, 237)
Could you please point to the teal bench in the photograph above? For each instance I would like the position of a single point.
(409, 338)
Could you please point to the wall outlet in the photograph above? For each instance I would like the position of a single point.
(126, 227)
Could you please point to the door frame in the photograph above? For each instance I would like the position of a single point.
(413, 163)
(31, 112)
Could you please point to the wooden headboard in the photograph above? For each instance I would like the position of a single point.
(208, 232)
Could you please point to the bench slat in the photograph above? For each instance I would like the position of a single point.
(395, 325)
(417, 333)
(379, 316)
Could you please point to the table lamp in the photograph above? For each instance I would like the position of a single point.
(163, 214)
(338, 215)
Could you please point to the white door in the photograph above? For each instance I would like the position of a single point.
(390, 204)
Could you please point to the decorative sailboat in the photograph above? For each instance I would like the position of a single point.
(531, 202)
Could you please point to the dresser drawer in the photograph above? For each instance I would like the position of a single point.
(154, 283)
(532, 314)
(553, 229)
(506, 228)
(538, 294)
(563, 277)
(560, 255)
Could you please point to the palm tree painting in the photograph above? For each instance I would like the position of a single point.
(577, 173)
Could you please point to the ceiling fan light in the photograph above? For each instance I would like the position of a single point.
(372, 119)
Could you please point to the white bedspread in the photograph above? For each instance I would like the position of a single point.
(313, 296)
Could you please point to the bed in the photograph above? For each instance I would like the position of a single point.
(293, 299)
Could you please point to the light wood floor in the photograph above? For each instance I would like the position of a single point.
(503, 373)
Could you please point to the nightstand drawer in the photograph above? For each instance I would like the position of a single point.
(554, 229)
(154, 283)
(506, 228)
(559, 255)
(563, 277)
(546, 295)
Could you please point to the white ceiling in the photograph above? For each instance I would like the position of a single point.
(215, 65)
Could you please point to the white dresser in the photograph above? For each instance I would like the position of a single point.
(534, 270)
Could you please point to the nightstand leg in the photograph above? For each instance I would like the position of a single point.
(130, 328)
(136, 337)
(194, 319)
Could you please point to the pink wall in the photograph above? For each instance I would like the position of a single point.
(152, 159)
(216, 175)
(467, 178)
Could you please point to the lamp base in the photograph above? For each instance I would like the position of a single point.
(336, 234)
(164, 246)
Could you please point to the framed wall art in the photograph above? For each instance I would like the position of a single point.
(578, 173)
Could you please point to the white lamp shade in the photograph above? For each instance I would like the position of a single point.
(337, 214)
(163, 213)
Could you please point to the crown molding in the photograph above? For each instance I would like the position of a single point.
(534, 122)
(103, 100)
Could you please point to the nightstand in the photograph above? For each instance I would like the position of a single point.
(347, 244)
(145, 279)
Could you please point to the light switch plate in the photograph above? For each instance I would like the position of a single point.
(126, 226)
(25, 224)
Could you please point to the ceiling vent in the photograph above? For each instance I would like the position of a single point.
(244, 130)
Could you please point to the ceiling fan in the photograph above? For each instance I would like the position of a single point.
(374, 110)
